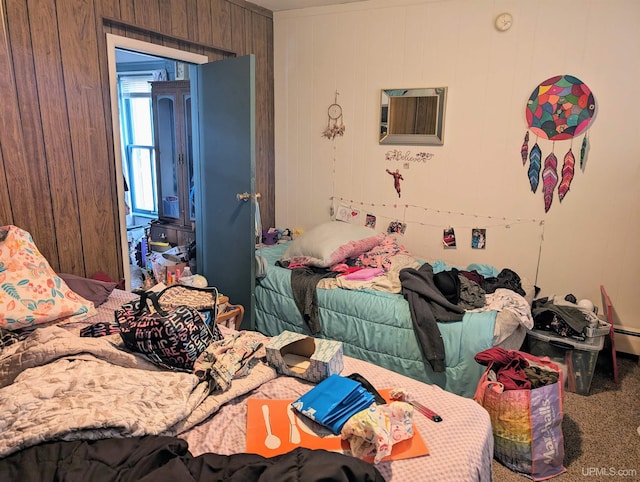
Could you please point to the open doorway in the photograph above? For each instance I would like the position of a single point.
(135, 74)
(134, 153)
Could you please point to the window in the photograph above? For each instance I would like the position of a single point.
(137, 137)
(142, 174)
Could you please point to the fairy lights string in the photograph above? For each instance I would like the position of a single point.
(489, 220)
(500, 220)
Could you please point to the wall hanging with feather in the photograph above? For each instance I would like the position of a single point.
(560, 108)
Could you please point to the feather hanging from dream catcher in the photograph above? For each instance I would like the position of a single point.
(524, 151)
(549, 179)
(583, 152)
(560, 108)
(567, 174)
(535, 156)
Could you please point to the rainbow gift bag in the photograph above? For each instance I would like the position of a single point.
(526, 423)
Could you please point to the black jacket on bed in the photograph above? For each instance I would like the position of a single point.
(428, 306)
(304, 282)
(160, 459)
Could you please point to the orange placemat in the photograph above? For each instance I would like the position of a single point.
(281, 427)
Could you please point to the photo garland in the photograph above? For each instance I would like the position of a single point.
(365, 215)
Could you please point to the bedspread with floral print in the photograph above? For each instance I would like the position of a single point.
(381, 256)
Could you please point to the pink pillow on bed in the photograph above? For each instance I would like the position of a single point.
(30, 291)
(330, 243)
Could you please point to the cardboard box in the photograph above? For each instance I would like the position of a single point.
(302, 356)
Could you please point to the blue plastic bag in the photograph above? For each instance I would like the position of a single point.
(333, 401)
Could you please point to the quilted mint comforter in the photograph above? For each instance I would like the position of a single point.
(375, 326)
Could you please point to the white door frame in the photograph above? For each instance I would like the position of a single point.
(113, 42)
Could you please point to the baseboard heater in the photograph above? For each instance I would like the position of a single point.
(627, 341)
(626, 332)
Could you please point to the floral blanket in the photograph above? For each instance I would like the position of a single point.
(57, 386)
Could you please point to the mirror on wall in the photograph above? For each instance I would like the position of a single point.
(413, 116)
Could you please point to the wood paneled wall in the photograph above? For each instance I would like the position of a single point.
(57, 174)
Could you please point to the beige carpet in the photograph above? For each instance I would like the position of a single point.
(600, 430)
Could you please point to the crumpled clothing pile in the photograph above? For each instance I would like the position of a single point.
(515, 370)
(372, 432)
(232, 357)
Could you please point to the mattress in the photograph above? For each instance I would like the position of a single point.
(376, 326)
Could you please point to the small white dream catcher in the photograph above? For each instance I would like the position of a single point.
(335, 124)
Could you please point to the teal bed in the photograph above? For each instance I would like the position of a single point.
(376, 326)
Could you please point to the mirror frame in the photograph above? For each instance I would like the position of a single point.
(436, 139)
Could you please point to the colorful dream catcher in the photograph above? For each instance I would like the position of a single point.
(560, 108)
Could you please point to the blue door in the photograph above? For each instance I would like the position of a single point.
(224, 165)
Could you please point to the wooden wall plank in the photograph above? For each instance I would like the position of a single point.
(83, 86)
(147, 14)
(166, 21)
(32, 174)
(106, 8)
(57, 142)
(202, 23)
(221, 23)
(173, 17)
(238, 33)
(127, 11)
(6, 217)
(109, 8)
(252, 8)
(178, 12)
(265, 174)
(8, 124)
(205, 22)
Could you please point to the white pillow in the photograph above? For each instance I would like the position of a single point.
(330, 243)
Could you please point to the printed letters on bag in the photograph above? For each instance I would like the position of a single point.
(172, 338)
